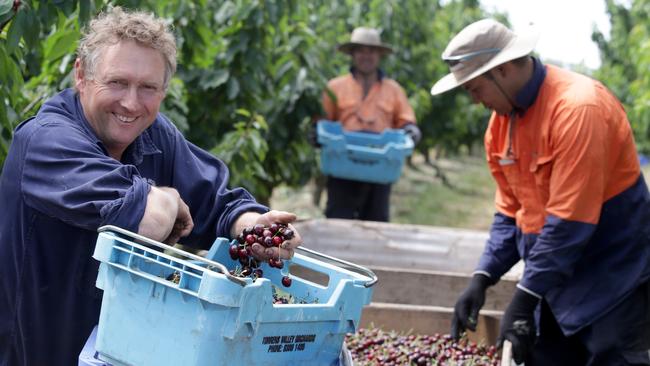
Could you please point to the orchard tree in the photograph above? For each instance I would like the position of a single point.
(625, 60)
(37, 43)
(250, 73)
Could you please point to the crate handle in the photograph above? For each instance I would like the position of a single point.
(220, 267)
(354, 267)
(506, 355)
(370, 150)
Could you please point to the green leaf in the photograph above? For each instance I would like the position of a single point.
(60, 44)
(225, 12)
(32, 28)
(213, 79)
(9, 73)
(85, 9)
(300, 79)
(4, 74)
(6, 11)
(65, 62)
(233, 88)
(243, 112)
(16, 30)
(261, 122)
(286, 66)
(6, 6)
(4, 18)
(15, 76)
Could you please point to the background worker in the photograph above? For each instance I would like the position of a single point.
(365, 100)
(571, 202)
(102, 154)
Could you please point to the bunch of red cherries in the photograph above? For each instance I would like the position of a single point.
(271, 236)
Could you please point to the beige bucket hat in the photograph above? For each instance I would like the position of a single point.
(363, 36)
(480, 47)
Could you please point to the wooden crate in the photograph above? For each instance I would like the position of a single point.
(422, 302)
(423, 319)
(420, 287)
(421, 269)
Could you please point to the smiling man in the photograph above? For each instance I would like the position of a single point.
(121, 94)
(102, 154)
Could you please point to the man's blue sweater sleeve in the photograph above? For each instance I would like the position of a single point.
(500, 252)
(553, 257)
(72, 179)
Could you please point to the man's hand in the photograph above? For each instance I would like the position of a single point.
(286, 249)
(518, 325)
(468, 305)
(166, 217)
(312, 135)
(413, 131)
(183, 224)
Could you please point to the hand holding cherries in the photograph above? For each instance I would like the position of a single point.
(273, 236)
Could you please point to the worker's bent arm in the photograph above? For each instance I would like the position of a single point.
(160, 213)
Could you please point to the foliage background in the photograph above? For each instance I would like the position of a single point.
(251, 72)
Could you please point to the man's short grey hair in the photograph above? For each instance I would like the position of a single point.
(115, 25)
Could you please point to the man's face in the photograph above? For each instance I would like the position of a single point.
(123, 96)
(366, 59)
(483, 90)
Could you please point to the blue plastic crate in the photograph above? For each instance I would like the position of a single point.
(362, 156)
(162, 310)
(90, 357)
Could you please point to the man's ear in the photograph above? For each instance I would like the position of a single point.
(502, 70)
(79, 74)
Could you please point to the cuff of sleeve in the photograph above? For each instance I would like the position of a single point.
(529, 291)
(127, 212)
(490, 280)
(485, 273)
(223, 229)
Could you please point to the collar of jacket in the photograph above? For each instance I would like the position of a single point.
(527, 95)
(380, 73)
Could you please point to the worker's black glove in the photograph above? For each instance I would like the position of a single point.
(312, 135)
(413, 131)
(518, 325)
(468, 305)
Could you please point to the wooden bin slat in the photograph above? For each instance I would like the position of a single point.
(419, 319)
(419, 287)
(421, 269)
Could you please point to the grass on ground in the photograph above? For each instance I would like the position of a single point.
(421, 198)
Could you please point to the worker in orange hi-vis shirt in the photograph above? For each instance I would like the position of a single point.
(365, 100)
(571, 202)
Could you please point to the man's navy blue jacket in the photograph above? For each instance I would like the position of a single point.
(58, 185)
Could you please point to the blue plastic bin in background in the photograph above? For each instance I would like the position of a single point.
(163, 310)
(362, 156)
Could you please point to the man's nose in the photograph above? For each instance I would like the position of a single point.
(130, 99)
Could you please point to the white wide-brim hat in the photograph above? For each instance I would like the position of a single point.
(363, 36)
(480, 47)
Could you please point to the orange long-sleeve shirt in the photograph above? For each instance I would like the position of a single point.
(385, 106)
(571, 200)
(572, 151)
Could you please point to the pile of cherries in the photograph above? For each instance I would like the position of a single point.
(241, 251)
(377, 347)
